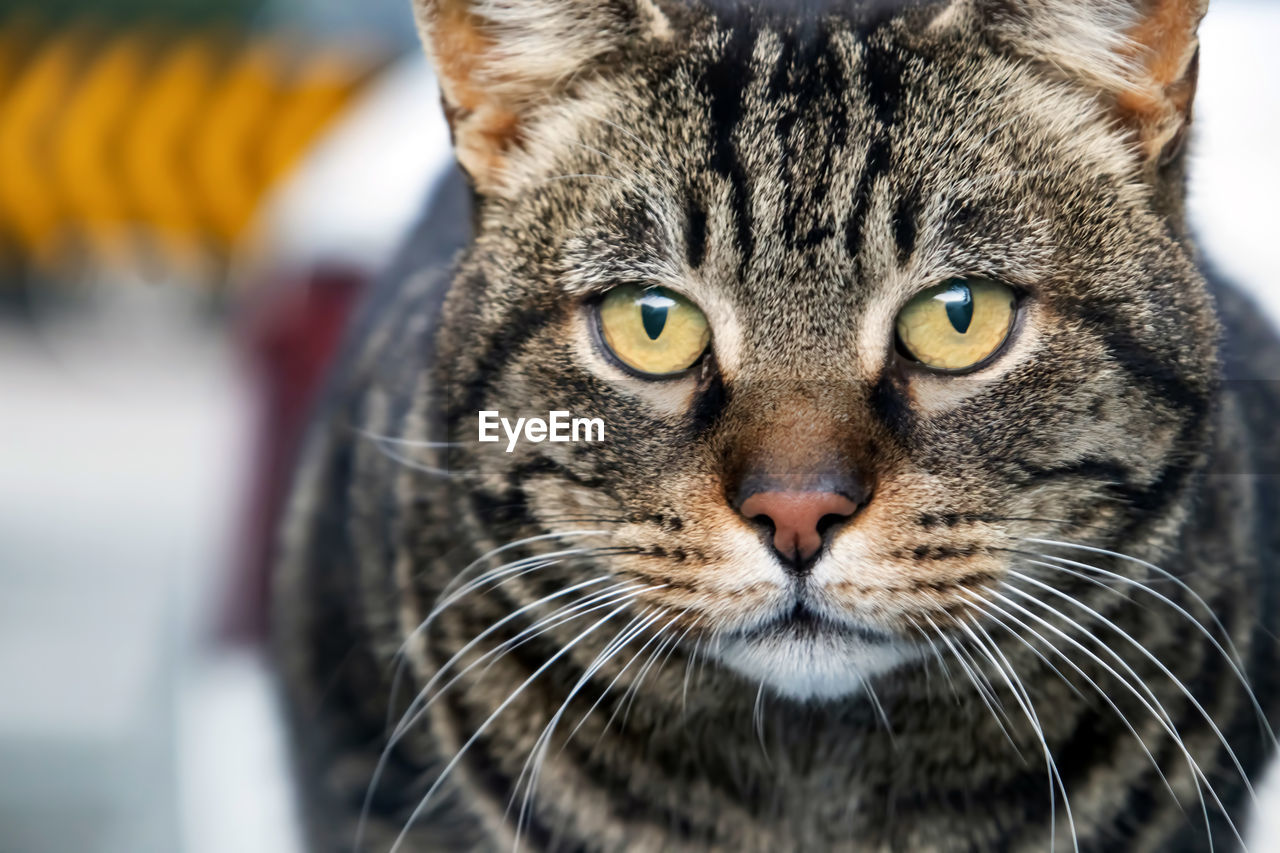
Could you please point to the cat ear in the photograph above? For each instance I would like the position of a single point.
(498, 60)
(1141, 54)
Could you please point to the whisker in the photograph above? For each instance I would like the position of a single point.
(561, 616)
(986, 606)
(415, 465)
(584, 519)
(533, 764)
(1028, 709)
(973, 679)
(453, 762)
(757, 721)
(604, 693)
(516, 568)
(881, 717)
(1162, 572)
(509, 546)
(1162, 717)
(425, 699)
(942, 664)
(688, 666)
(479, 561)
(629, 695)
(1158, 663)
(1233, 658)
(499, 577)
(531, 630)
(406, 442)
(983, 684)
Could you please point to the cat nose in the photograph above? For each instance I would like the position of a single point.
(801, 520)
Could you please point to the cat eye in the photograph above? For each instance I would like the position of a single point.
(957, 325)
(652, 330)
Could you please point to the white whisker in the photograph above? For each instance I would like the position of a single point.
(426, 698)
(1158, 663)
(1028, 709)
(973, 679)
(1233, 659)
(453, 762)
(1156, 710)
(657, 634)
(509, 546)
(533, 763)
(986, 606)
(1163, 573)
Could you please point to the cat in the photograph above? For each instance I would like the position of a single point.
(935, 508)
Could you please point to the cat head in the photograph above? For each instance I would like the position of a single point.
(869, 300)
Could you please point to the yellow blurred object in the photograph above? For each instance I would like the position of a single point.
(84, 150)
(15, 40)
(154, 143)
(28, 113)
(155, 149)
(233, 124)
(320, 89)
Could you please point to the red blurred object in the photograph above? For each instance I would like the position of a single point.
(290, 333)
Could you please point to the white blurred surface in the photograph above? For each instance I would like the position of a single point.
(122, 455)
(1235, 176)
(121, 471)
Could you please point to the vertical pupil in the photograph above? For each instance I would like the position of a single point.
(654, 308)
(959, 302)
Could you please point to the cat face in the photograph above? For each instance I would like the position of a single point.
(866, 305)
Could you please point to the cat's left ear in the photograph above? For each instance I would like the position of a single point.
(499, 61)
(1143, 55)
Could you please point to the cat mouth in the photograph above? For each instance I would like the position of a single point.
(806, 654)
(803, 622)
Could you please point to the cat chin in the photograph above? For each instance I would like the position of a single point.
(816, 668)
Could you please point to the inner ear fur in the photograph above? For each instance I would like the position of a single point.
(498, 60)
(1142, 54)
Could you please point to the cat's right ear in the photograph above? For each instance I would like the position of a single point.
(500, 61)
(1139, 55)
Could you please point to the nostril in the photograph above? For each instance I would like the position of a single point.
(829, 521)
(764, 521)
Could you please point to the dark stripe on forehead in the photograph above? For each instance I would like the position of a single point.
(695, 231)
(865, 13)
(809, 79)
(724, 84)
(905, 227)
(878, 155)
(882, 79)
(882, 84)
(781, 85)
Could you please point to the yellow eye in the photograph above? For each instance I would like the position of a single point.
(652, 330)
(957, 324)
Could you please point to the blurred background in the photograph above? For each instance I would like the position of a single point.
(192, 193)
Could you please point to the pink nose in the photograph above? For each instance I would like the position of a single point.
(798, 518)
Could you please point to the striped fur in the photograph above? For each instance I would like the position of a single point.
(799, 175)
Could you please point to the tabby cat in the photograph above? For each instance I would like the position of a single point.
(935, 508)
